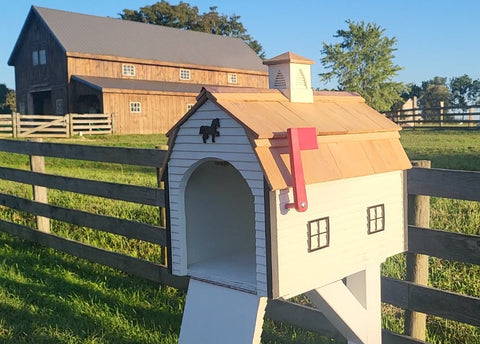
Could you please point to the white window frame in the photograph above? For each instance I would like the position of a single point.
(128, 70)
(232, 78)
(185, 74)
(135, 107)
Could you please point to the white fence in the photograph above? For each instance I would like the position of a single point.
(16, 125)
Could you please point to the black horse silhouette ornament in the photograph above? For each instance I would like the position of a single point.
(206, 130)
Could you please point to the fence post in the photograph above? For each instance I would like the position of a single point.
(15, 124)
(70, 124)
(112, 122)
(441, 113)
(417, 264)
(163, 211)
(37, 164)
(470, 117)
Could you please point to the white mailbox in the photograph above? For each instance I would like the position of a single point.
(282, 191)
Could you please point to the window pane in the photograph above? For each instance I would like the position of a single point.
(35, 58)
(135, 107)
(43, 57)
(184, 74)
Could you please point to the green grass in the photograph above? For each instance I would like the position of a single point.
(50, 297)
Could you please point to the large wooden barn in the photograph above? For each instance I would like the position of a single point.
(147, 75)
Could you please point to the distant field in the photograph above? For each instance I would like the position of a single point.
(49, 297)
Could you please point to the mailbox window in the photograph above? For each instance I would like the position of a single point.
(376, 218)
(318, 234)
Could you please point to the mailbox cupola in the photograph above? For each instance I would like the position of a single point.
(290, 73)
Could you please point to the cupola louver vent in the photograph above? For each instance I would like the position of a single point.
(280, 82)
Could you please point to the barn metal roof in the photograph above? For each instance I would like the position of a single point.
(87, 34)
(115, 85)
(353, 139)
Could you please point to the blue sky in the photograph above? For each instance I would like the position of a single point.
(435, 38)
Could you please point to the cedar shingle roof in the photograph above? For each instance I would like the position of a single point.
(81, 33)
(353, 139)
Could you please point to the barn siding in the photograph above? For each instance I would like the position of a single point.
(158, 72)
(233, 146)
(351, 249)
(159, 112)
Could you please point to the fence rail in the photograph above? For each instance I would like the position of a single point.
(438, 117)
(404, 294)
(16, 125)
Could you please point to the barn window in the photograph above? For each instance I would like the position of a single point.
(232, 78)
(43, 56)
(376, 218)
(318, 234)
(35, 57)
(135, 107)
(128, 70)
(39, 57)
(184, 74)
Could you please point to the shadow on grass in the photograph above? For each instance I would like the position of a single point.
(49, 297)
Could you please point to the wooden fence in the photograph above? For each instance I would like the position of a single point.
(16, 125)
(404, 294)
(438, 117)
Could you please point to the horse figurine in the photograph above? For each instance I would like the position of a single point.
(206, 130)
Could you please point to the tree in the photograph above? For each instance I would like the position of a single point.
(7, 99)
(362, 63)
(184, 16)
(433, 92)
(464, 91)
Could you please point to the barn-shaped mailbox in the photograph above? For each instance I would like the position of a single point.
(239, 164)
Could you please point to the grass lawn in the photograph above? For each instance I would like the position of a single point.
(50, 297)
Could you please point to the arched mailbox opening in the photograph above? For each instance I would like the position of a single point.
(220, 226)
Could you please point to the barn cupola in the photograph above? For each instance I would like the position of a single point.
(290, 73)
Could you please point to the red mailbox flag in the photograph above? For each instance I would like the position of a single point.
(299, 139)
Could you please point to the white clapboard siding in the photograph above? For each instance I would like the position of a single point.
(233, 146)
(351, 248)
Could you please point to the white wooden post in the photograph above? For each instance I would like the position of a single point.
(353, 307)
(441, 113)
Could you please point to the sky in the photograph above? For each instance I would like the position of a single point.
(434, 37)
